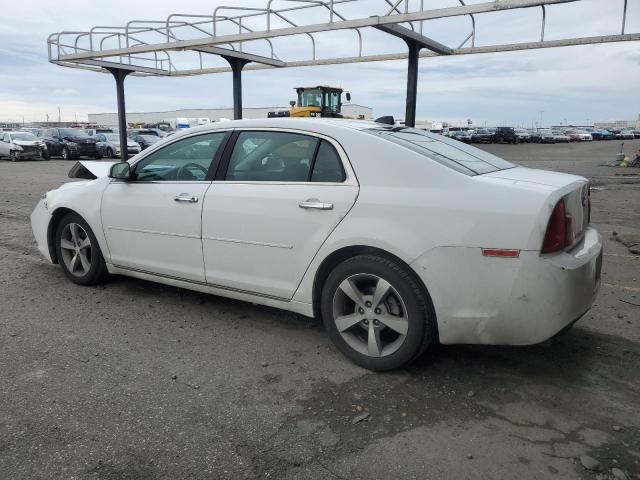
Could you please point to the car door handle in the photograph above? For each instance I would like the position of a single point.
(316, 204)
(185, 197)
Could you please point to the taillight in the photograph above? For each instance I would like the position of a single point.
(559, 230)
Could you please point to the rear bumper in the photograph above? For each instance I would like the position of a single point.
(503, 301)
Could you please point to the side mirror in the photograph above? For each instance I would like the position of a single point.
(120, 171)
(348, 96)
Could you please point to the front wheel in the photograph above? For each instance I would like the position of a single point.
(109, 153)
(78, 251)
(376, 313)
(12, 156)
(66, 155)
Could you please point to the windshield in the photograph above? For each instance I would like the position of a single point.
(72, 132)
(311, 98)
(29, 137)
(456, 155)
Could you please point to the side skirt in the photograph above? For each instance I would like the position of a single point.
(305, 309)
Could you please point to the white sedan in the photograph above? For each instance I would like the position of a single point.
(397, 238)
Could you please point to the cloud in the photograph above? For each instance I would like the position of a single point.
(573, 83)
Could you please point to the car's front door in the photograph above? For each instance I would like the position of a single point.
(276, 199)
(153, 222)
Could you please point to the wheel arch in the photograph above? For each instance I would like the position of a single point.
(57, 215)
(338, 256)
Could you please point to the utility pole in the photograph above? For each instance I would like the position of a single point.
(59, 115)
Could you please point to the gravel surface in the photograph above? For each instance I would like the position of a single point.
(133, 380)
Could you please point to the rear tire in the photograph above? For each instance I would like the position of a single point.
(392, 322)
(78, 252)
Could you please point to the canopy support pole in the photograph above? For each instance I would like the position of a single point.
(119, 75)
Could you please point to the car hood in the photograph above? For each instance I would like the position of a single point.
(80, 139)
(27, 143)
(90, 170)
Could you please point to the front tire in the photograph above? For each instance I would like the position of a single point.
(78, 251)
(66, 155)
(12, 156)
(377, 313)
(109, 153)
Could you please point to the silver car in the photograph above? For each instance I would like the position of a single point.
(109, 145)
(22, 146)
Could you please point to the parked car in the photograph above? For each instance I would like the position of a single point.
(22, 146)
(523, 135)
(560, 137)
(482, 135)
(461, 136)
(109, 145)
(546, 136)
(584, 136)
(92, 132)
(601, 135)
(627, 135)
(636, 133)
(144, 131)
(69, 143)
(306, 215)
(578, 135)
(505, 134)
(145, 141)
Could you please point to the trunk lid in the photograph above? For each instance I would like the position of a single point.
(572, 189)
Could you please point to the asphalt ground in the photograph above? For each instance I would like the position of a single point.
(134, 380)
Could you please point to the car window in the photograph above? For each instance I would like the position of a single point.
(456, 155)
(272, 156)
(185, 160)
(327, 166)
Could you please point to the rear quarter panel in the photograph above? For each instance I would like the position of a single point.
(409, 204)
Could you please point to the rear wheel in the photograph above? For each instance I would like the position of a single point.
(78, 251)
(376, 313)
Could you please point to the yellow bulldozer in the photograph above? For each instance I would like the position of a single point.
(319, 101)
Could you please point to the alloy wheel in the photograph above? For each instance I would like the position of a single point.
(370, 315)
(75, 246)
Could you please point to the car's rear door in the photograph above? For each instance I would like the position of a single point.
(153, 223)
(277, 197)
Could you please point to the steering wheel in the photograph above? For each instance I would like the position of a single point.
(186, 169)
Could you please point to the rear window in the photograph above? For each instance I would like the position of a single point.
(455, 155)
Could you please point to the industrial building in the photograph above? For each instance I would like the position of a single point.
(349, 110)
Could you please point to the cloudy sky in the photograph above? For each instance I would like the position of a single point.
(570, 84)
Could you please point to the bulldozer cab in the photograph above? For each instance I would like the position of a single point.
(320, 101)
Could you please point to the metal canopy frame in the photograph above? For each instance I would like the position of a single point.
(234, 33)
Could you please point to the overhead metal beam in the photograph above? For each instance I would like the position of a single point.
(247, 57)
(124, 66)
(410, 36)
(630, 37)
(321, 27)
